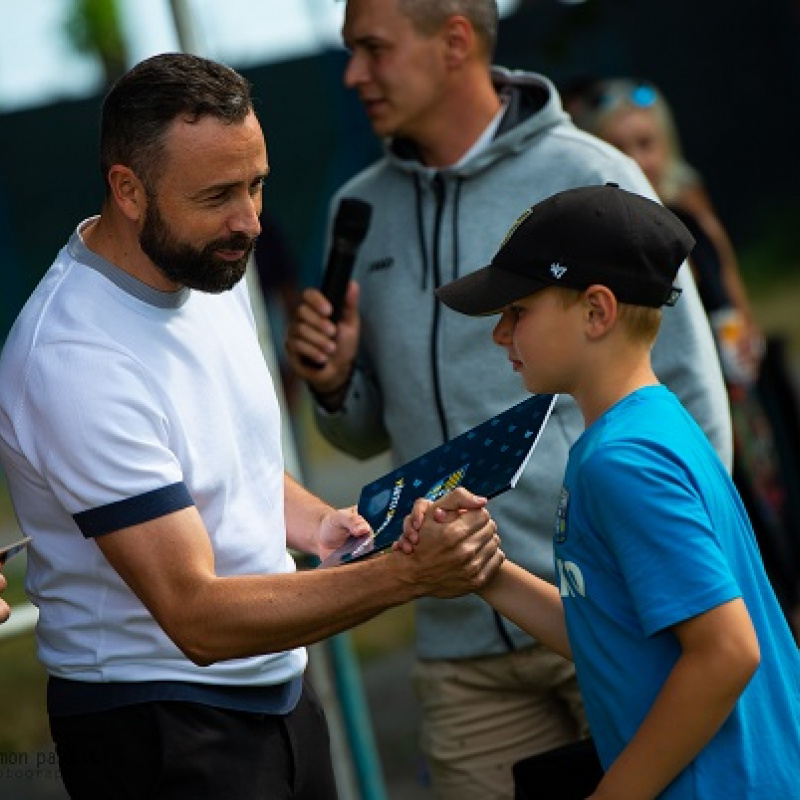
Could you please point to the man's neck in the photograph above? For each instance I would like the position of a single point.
(459, 126)
(115, 240)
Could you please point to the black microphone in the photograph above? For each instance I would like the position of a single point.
(349, 229)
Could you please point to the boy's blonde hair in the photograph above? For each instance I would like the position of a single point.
(641, 323)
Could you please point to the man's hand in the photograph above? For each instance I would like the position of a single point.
(321, 352)
(337, 527)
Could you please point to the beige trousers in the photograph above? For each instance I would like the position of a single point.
(480, 716)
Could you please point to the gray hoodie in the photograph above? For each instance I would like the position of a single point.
(425, 374)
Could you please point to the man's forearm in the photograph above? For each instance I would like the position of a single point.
(169, 564)
(304, 513)
(250, 615)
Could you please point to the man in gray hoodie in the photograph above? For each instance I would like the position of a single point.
(468, 148)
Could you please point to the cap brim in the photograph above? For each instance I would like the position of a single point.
(487, 291)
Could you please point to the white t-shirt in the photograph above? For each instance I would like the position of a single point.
(118, 404)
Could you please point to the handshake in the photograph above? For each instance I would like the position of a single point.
(450, 546)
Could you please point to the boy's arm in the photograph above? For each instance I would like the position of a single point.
(719, 655)
(531, 603)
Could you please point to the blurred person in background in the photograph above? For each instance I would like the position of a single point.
(468, 148)
(635, 117)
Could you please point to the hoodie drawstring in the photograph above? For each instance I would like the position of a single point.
(456, 200)
(421, 233)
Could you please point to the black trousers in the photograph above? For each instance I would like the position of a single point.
(570, 772)
(177, 751)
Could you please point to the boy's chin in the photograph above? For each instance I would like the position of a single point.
(532, 385)
(538, 386)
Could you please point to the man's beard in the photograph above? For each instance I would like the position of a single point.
(186, 265)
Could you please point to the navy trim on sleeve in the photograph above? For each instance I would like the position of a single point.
(133, 510)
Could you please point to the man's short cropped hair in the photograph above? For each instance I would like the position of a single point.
(144, 102)
(428, 16)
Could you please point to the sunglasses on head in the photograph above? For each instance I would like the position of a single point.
(641, 95)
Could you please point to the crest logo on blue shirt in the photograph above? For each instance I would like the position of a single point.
(560, 533)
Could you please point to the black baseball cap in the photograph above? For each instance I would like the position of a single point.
(577, 238)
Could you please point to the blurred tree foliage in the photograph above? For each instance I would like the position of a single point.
(94, 26)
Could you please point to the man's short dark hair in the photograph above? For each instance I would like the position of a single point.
(144, 102)
(429, 15)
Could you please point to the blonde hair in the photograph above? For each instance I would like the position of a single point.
(641, 323)
(603, 98)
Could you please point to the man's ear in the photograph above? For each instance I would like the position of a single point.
(600, 309)
(127, 192)
(459, 39)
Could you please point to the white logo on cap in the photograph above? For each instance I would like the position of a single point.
(557, 270)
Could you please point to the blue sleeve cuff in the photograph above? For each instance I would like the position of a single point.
(133, 510)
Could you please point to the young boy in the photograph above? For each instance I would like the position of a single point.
(689, 673)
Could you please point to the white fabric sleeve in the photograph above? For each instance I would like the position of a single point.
(97, 431)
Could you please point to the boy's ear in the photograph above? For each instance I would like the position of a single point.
(600, 310)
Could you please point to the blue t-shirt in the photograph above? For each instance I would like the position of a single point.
(651, 532)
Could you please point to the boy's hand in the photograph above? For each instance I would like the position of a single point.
(411, 525)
